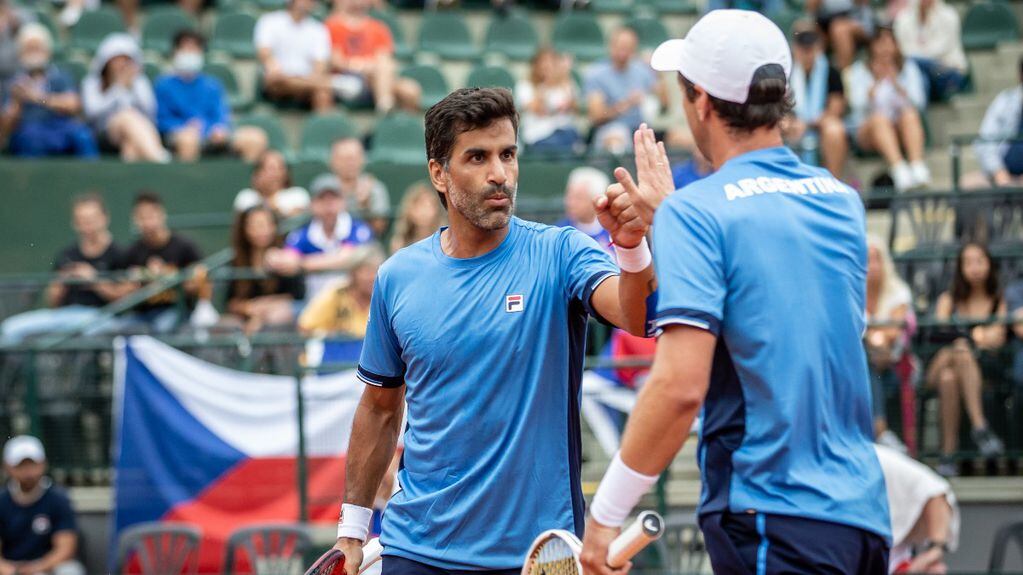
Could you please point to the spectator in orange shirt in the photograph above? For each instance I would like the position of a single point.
(362, 60)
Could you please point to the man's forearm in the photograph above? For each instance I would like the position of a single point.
(658, 427)
(633, 291)
(371, 447)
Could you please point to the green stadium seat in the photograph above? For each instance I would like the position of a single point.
(271, 4)
(431, 80)
(320, 132)
(445, 34)
(272, 126)
(76, 69)
(402, 50)
(490, 76)
(611, 6)
(399, 139)
(233, 34)
(987, 24)
(785, 19)
(514, 36)
(677, 7)
(152, 71)
(579, 34)
(651, 31)
(227, 78)
(161, 26)
(43, 17)
(93, 27)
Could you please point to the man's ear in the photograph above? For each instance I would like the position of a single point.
(437, 176)
(703, 105)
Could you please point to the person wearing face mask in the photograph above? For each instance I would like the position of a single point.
(192, 110)
(40, 108)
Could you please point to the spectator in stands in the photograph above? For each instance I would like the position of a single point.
(886, 97)
(158, 253)
(816, 123)
(12, 18)
(692, 170)
(265, 301)
(419, 216)
(628, 347)
(847, 24)
(326, 247)
(928, 32)
(1014, 305)
(549, 100)
(362, 59)
(999, 148)
(271, 185)
(294, 51)
(889, 301)
(193, 112)
(366, 195)
(41, 107)
(119, 101)
(924, 514)
(616, 90)
(584, 185)
(38, 530)
(975, 296)
(343, 306)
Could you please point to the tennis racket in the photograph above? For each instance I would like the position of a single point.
(333, 562)
(556, 552)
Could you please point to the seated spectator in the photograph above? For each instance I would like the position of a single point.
(267, 301)
(886, 97)
(628, 347)
(41, 107)
(847, 24)
(584, 185)
(362, 59)
(955, 370)
(271, 185)
(924, 514)
(692, 170)
(999, 148)
(193, 113)
(549, 100)
(12, 18)
(928, 32)
(75, 305)
(816, 124)
(294, 52)
(366, 195)
(37, 524)
(419, 216)
(1014, 305)
(119, 101)
(343, 306)
(158, 253)
(889, 301)
(616, 90)
(326, 247)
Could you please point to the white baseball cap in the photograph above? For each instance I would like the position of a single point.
(723, 51)
(23, 447)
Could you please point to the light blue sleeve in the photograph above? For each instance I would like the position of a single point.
(380, 363)
(689, 264)
(584, 264)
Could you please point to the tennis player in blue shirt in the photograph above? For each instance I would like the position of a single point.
(761, 271)
(480, 329)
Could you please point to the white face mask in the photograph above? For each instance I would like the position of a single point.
(188, 62)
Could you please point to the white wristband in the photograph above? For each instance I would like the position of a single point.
(634, 260)
(354, 522)
(619, 492)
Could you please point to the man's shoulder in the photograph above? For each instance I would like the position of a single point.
(407, 263)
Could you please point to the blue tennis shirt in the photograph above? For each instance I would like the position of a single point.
(491, 352)
(770, 255)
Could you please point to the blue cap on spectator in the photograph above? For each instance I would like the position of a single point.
(23, 447)
(325, 184)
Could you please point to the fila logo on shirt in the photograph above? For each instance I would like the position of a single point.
(514, 303)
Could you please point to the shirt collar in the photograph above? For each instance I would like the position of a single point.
(342, 229)
(776, 154)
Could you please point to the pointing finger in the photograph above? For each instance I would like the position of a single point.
(625, 179)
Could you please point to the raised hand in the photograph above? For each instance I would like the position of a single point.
(617, 214)
(653, 172)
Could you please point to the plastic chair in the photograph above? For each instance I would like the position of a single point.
(272, 126)
(611, 6)
(77, 70)
(229, 81)
(1006, 534)
(161, 548)
(579, 34)
(233, 34)
(651, 31)
(161, 26)
(445, 34)
(271, 549)
(514, 36)
(93, 27)
(399, 139)
(320, 132)
(402, 50)
(490, 76)
(986, 24)
(430, 79)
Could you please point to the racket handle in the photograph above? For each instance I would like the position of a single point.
(371, 554)
(646, 528)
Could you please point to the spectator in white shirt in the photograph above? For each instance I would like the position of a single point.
(294, 51)
(928, 32)
(549, 100)
(999, 148)
(271, 185)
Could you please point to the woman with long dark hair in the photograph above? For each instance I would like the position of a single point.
(271, 186)
(955, 371)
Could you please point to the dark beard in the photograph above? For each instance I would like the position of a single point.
(480, 215)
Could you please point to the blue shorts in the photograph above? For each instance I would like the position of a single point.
(760, 543)
(402, 566)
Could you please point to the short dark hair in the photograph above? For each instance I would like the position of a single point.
(186, 34)
(461, 111)
(89, 198)
(147, 197)
(768, 102)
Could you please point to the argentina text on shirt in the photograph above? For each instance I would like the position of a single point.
(749, 187)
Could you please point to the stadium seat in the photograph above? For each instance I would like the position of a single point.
(233, 34)
(271, 4)
(76, 69)
(611, 6)
(161, 26)
(272, 126)
(514, 36)
(674, 7)
(225, 74)
(43, 17)
(430, 79)
(986, 24)
(445, 34)
(579, 34)
(152, 71)
(651, 31)
(320, 132)
(785, 18)
(93, 27)
(399, 139)
(270, 549)
(490, 76)
(161, 548)
(402, 50)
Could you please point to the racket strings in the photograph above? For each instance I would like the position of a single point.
(553, 557)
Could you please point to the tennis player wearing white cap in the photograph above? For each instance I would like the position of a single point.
(761, 271)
